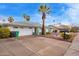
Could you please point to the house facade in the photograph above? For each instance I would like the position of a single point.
(58, 28)
(24, 28)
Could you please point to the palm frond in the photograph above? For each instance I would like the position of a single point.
(10, 19)
(41, 6)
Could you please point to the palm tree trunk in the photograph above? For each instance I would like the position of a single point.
(43, 23)
(43, 28)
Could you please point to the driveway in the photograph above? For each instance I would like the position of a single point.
(33, 46)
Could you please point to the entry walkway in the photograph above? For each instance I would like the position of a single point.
(33, 46)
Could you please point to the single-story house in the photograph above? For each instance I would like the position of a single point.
(24, 28)
(59, 28)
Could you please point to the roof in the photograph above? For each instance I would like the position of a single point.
(60, 27)
(25, 24)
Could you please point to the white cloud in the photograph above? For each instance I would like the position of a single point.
(73, 13)
(3, 17)
(37, 18)
(49, 19)
(69, 16)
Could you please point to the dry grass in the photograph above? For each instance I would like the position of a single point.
(59, 37)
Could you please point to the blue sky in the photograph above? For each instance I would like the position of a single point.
(60, 12)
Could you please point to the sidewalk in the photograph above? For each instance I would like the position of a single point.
(74, 48)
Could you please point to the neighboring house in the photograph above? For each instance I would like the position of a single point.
(24, 28)
(59, 28)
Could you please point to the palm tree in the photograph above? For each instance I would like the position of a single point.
(44, 10)
(10, 19)
(26, 17)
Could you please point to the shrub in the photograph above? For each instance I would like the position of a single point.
(66, 36)
(4, 32)
(33, 33)
(48, 33)
(74, 30)
(0, 26)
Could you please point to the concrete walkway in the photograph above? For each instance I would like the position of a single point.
(73, 50)
(33, 46)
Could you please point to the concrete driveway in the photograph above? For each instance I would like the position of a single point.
(33, 46)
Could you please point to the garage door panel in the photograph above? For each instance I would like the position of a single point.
(25, 32)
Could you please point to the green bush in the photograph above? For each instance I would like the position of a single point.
(66, 36)
(0, 26)
(48, 33)
(4, 32)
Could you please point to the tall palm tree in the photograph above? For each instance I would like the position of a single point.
(26, 17)
(10, 19)
(44, 10)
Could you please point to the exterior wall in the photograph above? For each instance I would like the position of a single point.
(47, 30)
(23, 31)
(50, 30)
